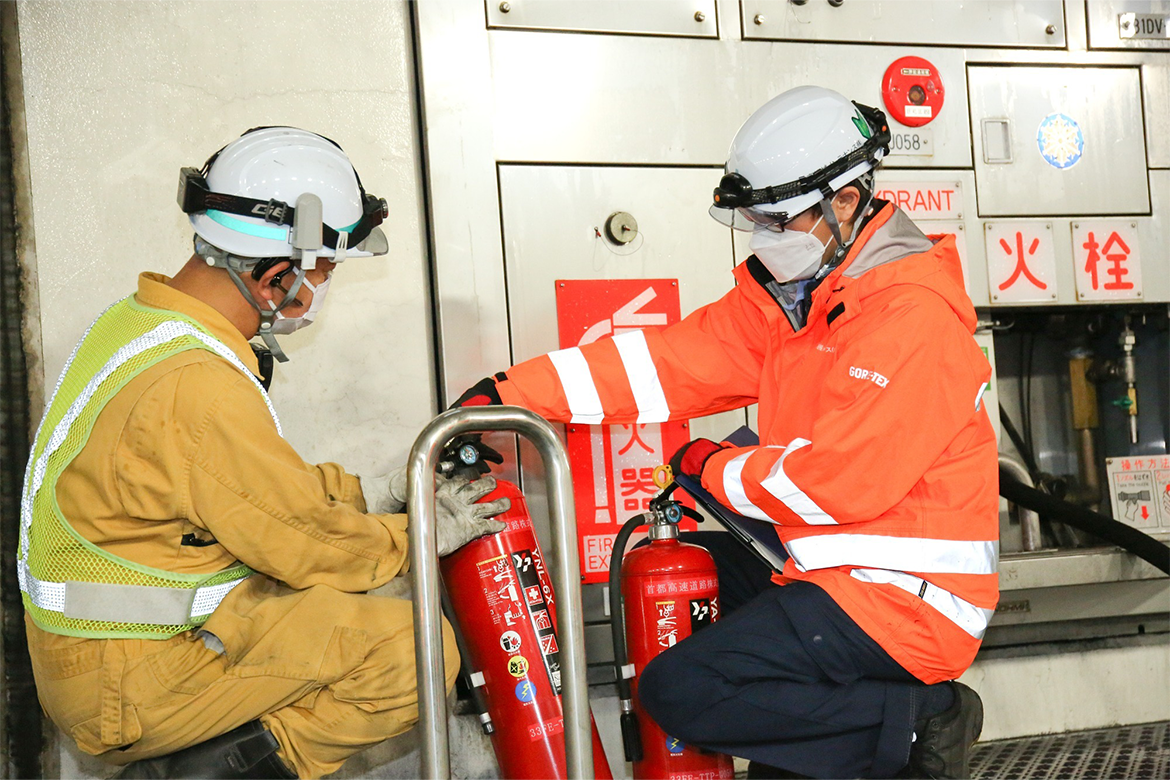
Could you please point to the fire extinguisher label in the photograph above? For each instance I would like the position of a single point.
(529, 568)
(667, 623)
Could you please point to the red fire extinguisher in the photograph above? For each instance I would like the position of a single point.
(670, 590)
(503, 604)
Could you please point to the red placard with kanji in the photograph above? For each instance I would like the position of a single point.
(613, 465)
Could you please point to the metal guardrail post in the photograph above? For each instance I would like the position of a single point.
(424, 571)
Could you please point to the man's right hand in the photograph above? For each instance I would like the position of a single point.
(459, 518)
(482, 393)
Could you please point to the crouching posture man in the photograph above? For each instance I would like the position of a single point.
(194, 591)
(877, 464)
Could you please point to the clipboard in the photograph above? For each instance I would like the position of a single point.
(757, 535)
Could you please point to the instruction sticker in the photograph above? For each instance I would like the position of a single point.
(1139, 489)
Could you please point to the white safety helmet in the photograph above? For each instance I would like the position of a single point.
(280, 192)
(794, 152)
(283, 192)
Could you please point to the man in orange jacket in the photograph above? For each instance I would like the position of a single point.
(877, 463)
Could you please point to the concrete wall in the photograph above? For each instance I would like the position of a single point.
(120, 95)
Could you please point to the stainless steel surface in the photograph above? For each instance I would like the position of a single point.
(1056, 568)
(1110, 176)
(1156, 86)
(551, 217)
(690, 18)
(566, 574)
(1111, 24)
(1030, 538)
(936, 22)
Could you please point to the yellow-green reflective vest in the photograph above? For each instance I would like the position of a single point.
(68, 584)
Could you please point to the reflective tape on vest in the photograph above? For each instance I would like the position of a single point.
(898, 553)
(963, 614)
(643, 377)
(577, 382)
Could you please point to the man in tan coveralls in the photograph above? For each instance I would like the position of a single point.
(284, 667)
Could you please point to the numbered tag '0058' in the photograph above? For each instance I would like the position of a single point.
(918, 142)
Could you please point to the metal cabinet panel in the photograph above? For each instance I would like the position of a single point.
(553, 220)
(554, 228)
(1156, 85)
(1128, 24)
(690, 18)
(1031, 23)
(1058, 141)
(626, 100)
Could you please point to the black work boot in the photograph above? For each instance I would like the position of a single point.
(942, 745)
(248, 751)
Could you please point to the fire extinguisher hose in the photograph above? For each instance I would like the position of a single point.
(631, 738)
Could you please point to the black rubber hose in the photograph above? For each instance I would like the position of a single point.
(1025, 453)
(631, 738)
(1127, 538)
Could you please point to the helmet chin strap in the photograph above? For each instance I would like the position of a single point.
(235, 266)
(835, 226)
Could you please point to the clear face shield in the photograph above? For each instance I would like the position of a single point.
(749, 219)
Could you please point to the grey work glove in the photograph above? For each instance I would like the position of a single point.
(386, 494)
(459, 518)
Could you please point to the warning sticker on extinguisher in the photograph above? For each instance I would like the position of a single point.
(529, 567)
(613, 465)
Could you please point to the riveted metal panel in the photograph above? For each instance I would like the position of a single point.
(1058, 141)
(1035, 23)
(619, 99)
(554, 228)
(1128, 24)
(690, 18)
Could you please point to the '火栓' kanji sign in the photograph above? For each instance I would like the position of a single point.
(613, 465)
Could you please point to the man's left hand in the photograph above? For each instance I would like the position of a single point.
(692, 456)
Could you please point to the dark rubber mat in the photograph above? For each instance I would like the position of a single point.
(1127, 752)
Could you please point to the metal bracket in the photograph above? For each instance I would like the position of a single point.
(424, 572)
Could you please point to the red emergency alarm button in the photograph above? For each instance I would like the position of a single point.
(913, 91)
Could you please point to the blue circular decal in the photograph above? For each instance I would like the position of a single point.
(1060, 140)
(525, 691)
(674, 745)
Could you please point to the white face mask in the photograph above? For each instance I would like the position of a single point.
(789, 255)
(283, 325)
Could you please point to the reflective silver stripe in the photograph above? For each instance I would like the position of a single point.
(643, 376)
(941, 556)
(35, 474)
(577, 382)
(979, 395)
(733, 487)
(108, 602)
(785, 490)
(963, 614)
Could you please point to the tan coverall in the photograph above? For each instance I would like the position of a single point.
(189, 448)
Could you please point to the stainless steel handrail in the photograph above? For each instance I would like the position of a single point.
(1030, 537)
(424, 570)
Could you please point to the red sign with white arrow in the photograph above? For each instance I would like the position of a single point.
(613, 465)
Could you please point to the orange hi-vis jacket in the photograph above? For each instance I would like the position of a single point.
(877, 463)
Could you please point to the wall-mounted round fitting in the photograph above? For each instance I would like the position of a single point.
(621, 228)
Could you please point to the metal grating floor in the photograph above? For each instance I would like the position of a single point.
(1127, 752)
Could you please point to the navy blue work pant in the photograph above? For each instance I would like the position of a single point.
(785, 678)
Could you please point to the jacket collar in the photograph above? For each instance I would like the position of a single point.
(154, 291)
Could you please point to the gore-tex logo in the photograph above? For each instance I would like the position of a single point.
(872, 376)
(823, 348)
